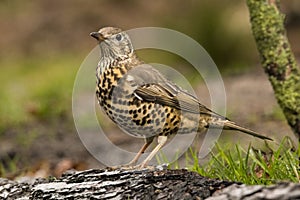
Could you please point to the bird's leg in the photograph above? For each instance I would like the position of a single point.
(148, 141)
(161, 142)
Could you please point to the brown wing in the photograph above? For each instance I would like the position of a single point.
(152, 86)
(171, 95)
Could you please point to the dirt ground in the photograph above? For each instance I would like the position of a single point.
(57, 147)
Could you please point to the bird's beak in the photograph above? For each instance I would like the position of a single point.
(98, 36)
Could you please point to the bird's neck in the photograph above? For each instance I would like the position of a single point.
(132, 61)
(107, 63)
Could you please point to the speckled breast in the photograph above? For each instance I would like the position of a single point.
(115, 92)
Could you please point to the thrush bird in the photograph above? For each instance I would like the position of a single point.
(142, 102)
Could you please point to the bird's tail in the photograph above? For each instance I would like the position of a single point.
(229, 125)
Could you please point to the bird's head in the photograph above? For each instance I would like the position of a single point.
(113, 42)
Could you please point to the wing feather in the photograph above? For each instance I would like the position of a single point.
(178, 98)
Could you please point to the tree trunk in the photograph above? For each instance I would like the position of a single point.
(277, 58)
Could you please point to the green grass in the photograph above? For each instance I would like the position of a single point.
(250, 166)
(9, 166)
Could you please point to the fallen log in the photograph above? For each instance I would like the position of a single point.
(140, 184)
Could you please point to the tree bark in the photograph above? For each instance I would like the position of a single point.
(116, 184)
(140, 184)
(277, 58)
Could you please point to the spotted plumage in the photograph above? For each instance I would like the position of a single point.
(142, 102)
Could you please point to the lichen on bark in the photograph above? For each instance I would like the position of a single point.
(277, 59)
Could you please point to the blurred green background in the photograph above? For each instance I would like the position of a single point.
(44, 42)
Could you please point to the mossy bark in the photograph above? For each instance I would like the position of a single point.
(277, 58)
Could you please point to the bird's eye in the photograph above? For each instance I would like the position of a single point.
(119, 37)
